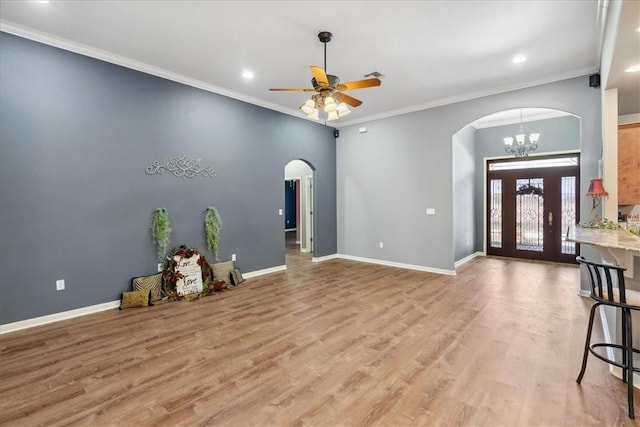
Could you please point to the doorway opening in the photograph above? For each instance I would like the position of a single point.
(298, 212)
(531, 203)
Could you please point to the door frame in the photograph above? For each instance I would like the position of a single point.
(485, 162)
(308, 215)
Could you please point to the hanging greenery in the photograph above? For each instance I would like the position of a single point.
(160, 231)
(212, 228)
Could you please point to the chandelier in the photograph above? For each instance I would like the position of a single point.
(523, 144)
(324, 100)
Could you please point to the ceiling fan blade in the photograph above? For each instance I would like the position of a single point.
(350, 100)
(319, 75)
(295, 89)
(359, 84)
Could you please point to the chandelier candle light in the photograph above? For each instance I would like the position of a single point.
(522, 144)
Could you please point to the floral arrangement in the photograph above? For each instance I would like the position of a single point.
(170, 275)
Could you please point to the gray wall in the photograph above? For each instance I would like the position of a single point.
(76, 137)
(556, 134)
(403, 164)
(464, 188)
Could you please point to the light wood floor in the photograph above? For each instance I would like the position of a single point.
(337, 343)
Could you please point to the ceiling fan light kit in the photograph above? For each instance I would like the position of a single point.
(329, 96)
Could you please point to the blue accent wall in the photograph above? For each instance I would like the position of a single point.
(76, 135)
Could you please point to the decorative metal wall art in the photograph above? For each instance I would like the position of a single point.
(182, 167)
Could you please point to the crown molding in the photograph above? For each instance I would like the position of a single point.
(102, 55)
(122, 61)
(468, 97)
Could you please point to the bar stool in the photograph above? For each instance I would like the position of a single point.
(602, 290)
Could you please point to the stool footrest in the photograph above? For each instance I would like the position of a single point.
(592, 349)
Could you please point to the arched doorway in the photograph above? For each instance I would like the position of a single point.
(481, 211)
(298, 215)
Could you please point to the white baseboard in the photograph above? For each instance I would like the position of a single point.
(263, 272)
(324, 258)
(83, 311)
(468, 258)
(398, 264)
(64, 315)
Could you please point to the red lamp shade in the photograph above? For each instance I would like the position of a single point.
(596, 188)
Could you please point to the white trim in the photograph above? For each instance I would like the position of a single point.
(102, 55)
(324, 258)
(63, 315)
(398, 264)
(467, 97)
(584, 293)
(628, 119)
(468, 258)
(263, 272)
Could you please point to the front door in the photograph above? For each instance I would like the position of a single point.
(531, 203)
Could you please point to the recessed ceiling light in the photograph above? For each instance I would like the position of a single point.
(519, 59)
(633, 69)
(248, 75)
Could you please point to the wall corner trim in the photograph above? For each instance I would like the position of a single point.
(324, 258)
(468, 258)
(398, 264)
(263, 272)
(70, 314)
(55, 317)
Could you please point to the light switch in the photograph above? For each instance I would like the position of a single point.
(280, 212)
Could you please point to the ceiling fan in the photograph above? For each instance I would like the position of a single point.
(329, 92)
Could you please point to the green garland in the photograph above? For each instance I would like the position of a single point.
(603, 224)
(161, 230)
(212, 228)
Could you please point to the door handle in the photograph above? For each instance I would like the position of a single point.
(550, 218)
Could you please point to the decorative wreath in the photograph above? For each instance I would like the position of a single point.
(170, 275)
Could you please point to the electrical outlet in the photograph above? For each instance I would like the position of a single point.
(280, 212)
(59, 285)
(159, 266)
(381, 245)
(233, 257)
(431, 211)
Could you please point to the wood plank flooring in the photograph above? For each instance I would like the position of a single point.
(337, 343)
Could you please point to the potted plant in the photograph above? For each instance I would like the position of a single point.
(160, 231)
(212, 228)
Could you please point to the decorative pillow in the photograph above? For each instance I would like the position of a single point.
(222, 271)
(236, 277)
(135, 299)
(152, 283)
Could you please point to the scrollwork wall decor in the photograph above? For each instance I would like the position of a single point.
(182, 167)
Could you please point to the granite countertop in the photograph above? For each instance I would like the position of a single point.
(616, 239)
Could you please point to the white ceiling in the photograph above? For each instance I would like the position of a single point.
(430, 52)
